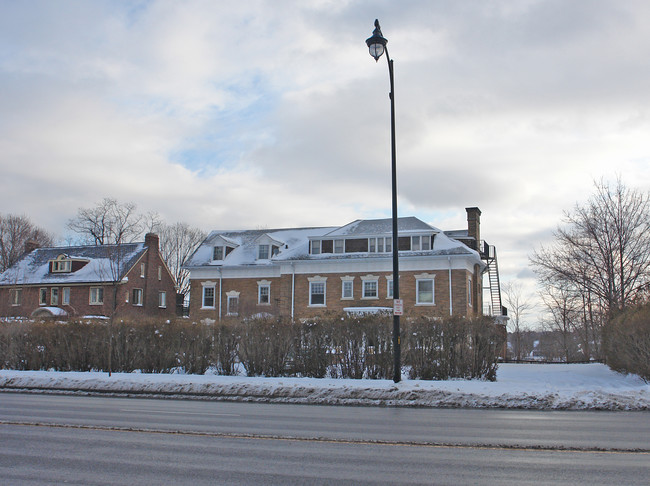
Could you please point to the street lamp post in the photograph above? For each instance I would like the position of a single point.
(377, 46)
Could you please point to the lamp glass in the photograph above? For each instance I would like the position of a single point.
(376, 50)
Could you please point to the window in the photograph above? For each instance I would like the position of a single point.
(96, 295)
(232, 305)
(217, 253)
(60, 266)
(42, 297)
(415, 243)
(54, 296)
(159, 272)
(264, 292)
(16, 296)
(317, 291)
(263, 252)
(315, 247)
(426, 242)
(338, 246)
(142, 270)
(389, 287)
(370, 289)
(372, 245)
(356, 245)
(327, 246)
(403, 243)
(137, 297)
(162, 299)
(469, 291)
(65, 296)
(347, 288)
(424, 289)
(389, 245)
(208, 297)
(380, 245)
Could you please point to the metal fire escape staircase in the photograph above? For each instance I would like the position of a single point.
(489, 256)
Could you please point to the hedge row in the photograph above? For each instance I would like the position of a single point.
(338, 347)
(626, 342)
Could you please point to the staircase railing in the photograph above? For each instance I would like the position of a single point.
(489, 255)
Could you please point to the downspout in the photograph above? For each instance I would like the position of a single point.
(220, 286)
(451, 300)
(293, 288)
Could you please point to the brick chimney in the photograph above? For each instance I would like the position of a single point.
(474, 225)
(151, 241)
(31, 245)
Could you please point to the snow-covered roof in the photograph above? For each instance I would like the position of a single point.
(105, 263)
(295, 242)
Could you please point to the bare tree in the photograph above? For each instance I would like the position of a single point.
(15, 231)
(110, 222)
(177, 243)
(603, 250)
(518, 306)
(563, 312)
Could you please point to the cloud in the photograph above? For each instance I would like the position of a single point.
(255, 113)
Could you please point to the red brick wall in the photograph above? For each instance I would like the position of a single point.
(281, 295)
(80, 295)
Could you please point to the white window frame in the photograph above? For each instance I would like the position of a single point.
(264, 290)
(416, 243)
(16, 297)
(339, 246)
(159, 273)
(263, 251)
(315, 283)
(65, 296)
(143, 270)
(96, 296)
(162, 299)
(54, 296)
(42, 296)
(370, 287)
(232, 300)
(348, 282)
(61, 266)
(206, 286)
(218, 250)
(315, 247)
(389, 287)
(421, 279)
(426, 242)
(138, 297)
(469, 292)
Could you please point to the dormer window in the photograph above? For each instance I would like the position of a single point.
(220, 252)
(263, 252)
(62, 264)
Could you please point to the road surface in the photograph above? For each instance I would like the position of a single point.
(52, 439)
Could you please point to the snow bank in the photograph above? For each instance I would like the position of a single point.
(529, 386)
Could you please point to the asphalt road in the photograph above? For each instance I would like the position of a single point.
(50, 439)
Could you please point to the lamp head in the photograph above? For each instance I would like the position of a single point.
(376, 43)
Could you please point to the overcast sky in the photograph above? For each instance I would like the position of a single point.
(247, 114)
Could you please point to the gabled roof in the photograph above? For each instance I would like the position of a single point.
(107, 263)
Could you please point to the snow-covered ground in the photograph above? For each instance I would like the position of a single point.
(532, 386)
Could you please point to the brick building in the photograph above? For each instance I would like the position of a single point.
(123, 280)
(306, 272)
